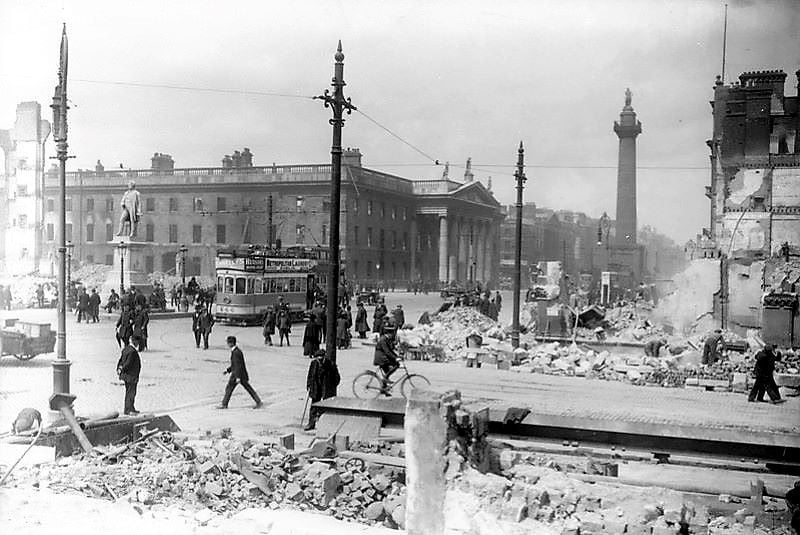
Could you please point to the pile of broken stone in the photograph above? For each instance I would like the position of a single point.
(227, 475)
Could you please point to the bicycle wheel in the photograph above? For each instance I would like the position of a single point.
(366, 385)
(413, 381)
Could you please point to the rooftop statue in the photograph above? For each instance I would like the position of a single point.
(628, 96)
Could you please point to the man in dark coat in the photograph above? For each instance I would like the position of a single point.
(385, 356)
(269, 326)
(321, 381)
(140, 321)
(310, 339)
(239, 375)
(379, 317)
(83, 305)
(284, 323)
(204, 323)
(128, 368)
(94, 306)
(196, 325)
(765, 382)
(399, 316)
(139, 300)
(361, 321)
(124, 327)
(711, 347)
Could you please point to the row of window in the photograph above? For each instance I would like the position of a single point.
(149, 233)
(381, 238)
(149, 204)
(254, 285)
(391, 271)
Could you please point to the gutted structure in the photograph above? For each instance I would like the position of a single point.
(755, 192)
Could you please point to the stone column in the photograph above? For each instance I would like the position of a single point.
(412, 244)
(443, 248)
(480, 249)
(463, 250)
(452, 274)
(425, 441)
(488, 251)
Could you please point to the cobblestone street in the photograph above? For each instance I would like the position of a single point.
(188, 382)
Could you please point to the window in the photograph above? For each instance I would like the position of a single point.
(90, 258)
(221, 234)
(148, 264)
(222, 203)
(219, 284)
(326, 205)
(383, 239)
(197, 204)
(248, 238)
(241, 285)
(355, 235)
(258, 288)
(369, 269)
(109, 231)
(394, 212)
(50, 230)
(355, 269)
(173, 233)
(51, 205)
(149, 204)
(383, 210)
(324, 233)
(355, 206)
(173, 204)
(394, 239)
(405, 241)
(197, 234)
(109, 205)
(228, 285)
(90, 204)
(369, 207)
(369, 236)
(300, 204)
(299, 233)
(109, 259)
(90, 232)
(251, 285)
(149, 232)
(405, 213)
(68, 204)
(68, 230)
(194, 267)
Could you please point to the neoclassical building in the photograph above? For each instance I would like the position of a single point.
(392, 228)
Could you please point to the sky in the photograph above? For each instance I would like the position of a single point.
(452, 79)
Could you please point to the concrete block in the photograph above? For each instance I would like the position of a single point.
(287, 441)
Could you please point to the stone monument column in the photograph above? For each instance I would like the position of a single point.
(626, 129)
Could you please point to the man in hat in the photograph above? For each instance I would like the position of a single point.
(765, 382)
(239, 375)
(386, 357)
(399, 316)
(712, 347)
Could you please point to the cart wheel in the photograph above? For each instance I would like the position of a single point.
(24, 357)
(355, 464)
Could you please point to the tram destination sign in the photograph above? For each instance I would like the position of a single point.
(261, 264)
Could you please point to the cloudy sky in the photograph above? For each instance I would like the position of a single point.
(454, 79)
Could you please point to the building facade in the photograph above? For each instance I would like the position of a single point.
(392, 228)
(754, 224)
(21, 244)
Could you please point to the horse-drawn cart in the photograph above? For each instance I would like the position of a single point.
(25, 340)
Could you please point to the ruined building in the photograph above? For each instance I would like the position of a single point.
(754, 227)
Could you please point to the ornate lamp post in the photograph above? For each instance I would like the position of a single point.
(122, 248)
(70, 248)
(338, 104)
(183, 250)
(61, 365)
(520, 176)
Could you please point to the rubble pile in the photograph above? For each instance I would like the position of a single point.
(449, 330)
(91, 275)
(224, 475)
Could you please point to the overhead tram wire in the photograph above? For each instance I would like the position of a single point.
(192, 88)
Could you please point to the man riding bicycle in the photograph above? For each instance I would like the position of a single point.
(385, 356)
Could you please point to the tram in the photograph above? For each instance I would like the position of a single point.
(250, 280)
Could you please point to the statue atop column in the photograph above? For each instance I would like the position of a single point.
(131, 210)
(628, 96)
(446, 172)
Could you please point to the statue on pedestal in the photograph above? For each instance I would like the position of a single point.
(131, 210)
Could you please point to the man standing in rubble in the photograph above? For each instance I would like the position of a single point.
(765, 381)
(712, 347)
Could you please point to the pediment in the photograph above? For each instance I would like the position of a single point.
(475, 192)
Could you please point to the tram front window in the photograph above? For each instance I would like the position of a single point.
(228, 285)
(240, 285)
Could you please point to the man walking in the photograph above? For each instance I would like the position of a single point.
(238, 372)
(83, 305)
(94, 306)
(128, 368)
(205, 322)
(765, 382)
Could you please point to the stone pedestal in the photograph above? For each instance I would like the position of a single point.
(128, 265)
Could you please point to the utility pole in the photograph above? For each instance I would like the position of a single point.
(269, 221)
(61, 365)
(520, 176)
(338, 104)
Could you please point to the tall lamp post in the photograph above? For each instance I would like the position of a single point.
(338, 104)
(183, 250)
(70, 248)
(122, 248)
(61, 365)
(520, 176)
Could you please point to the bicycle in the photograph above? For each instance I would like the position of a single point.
(369, 384)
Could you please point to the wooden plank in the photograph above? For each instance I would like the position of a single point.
(356, 426)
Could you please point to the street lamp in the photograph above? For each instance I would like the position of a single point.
(122, 248)
(183, 250)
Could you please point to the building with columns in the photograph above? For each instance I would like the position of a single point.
(22, 184)
(392, 228)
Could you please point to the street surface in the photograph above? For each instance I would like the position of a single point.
(187, 382)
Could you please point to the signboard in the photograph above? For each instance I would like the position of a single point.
(261, 264)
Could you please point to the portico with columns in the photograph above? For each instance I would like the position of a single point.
(456, 228)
